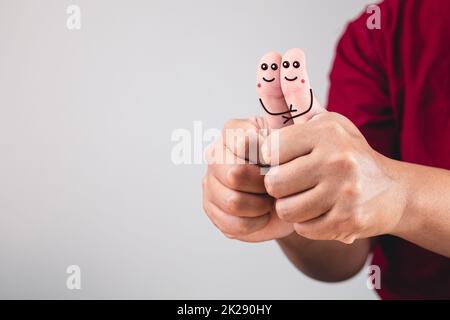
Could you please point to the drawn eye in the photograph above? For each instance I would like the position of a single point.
(286, 64)
(274, 66)
(264, 66)
(296, 64)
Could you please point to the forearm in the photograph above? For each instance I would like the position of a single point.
(426, 218)
(329, 261)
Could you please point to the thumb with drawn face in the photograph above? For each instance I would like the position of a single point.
(268, 86)
(277, 115)
(296, 88)
(286, 96)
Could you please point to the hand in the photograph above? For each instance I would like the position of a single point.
(234, 196)
(330, 183)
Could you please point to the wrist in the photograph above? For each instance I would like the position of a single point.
(404, 195)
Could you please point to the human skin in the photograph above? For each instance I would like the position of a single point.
(229, 190)
(268, 84)
(332, 188)
(236, 201)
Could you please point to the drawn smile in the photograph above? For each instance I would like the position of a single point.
(291, 109)
(268, 80)
(293, 79)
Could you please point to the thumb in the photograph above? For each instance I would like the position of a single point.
(269, 91)
(297, 91)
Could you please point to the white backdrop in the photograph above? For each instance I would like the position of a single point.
(86, 118)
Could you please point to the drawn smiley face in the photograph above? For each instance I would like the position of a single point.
(292, 71)
(268, 74)
(296, 65)
(295, 82)
(265, 67)
(269, 87)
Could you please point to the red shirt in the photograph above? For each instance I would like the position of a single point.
(394, 84)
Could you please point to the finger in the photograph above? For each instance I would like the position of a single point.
(296, 87)
(242, 137)
(238, 203)
(239, 177)
(289, 143)
(305, 206)
(234, 226)
(321, 228)
(269, 91)
(293, 177)
(302, 139)
(274, 229)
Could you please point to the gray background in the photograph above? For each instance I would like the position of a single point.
(86, 119)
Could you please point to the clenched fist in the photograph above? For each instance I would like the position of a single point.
(234, 195)
(331, 184)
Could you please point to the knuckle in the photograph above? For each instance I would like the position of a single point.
(236, 175)
(271, 183)
(332, 128)
(343, 162)
(243, 228)
(233, 203)
(351, 192)
(284, 211)
(240, 227)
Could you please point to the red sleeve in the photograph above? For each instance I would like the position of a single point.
(359, 89)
